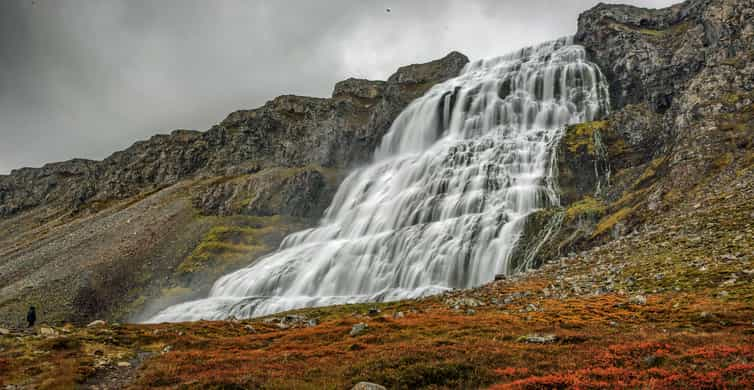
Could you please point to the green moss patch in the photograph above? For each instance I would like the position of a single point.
(241, 239)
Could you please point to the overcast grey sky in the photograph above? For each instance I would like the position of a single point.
(84, 78)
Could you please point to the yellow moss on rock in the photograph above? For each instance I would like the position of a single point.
(587, 207)
(608, 222)
(582, 136)
(650, 172)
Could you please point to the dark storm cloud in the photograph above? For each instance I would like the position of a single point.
(84, 78)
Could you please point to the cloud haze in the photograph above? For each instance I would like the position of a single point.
(84, 78)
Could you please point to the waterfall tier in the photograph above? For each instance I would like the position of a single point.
(444, 201)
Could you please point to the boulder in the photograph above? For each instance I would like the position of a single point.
(638, 300)
(358, 329)
(536, 338)
(96, 323)
(47, 331)
(368, 386)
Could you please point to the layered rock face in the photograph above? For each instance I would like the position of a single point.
(682, 93)
(86, 239)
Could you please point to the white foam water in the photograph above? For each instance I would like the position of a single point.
(442, 205)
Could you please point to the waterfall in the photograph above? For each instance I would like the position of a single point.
(444, 201)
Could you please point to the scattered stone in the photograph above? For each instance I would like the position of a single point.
(368, 386)
(729, 282)
(4, 331)
(355, 347)
(723, 294)
(613, 323)
(46, 331)
(99, 363)
(293, 318)
(124, 364)
(312, 323)
(651, 361)
(373, 311)
(470, 312)
(398, 315)
(500, 277)
(250, 329)
(96, 323)
(638, 300)
(457, 303)
(167, 349)
(538, 338)
(358, 329)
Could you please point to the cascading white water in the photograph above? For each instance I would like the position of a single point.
(444, 201)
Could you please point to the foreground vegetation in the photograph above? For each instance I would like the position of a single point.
(671, 306)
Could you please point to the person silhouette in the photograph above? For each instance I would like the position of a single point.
(31, 316)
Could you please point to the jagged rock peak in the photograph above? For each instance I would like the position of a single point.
(650, 54)
(445, 67)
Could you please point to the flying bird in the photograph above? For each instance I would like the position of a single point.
(387, 10)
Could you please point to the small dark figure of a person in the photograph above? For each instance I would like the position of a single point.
(31, 316)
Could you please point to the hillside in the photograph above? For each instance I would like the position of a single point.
(643, 275)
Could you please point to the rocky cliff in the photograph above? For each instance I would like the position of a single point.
(85, 239)
(682, 93)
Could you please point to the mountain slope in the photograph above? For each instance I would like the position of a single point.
(98, 239)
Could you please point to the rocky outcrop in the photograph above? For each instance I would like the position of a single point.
(682, 93)
(650, 55)
(296, 192)
(682, 82)
(287, 131)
